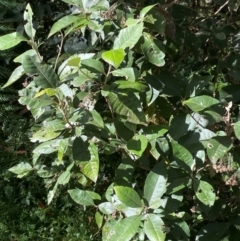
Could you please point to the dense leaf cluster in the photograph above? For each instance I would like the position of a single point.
(136, 114)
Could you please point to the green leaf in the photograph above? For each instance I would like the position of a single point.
(177, 185)
(217, 147)
(183, 157)
(107, 208)
(52, 193)
(121, 230)
(128, 196)
(48, 91)
(30, 52)
(128, 73)
(45, 134)
(64, 177)
(152, 132)
(99, 219)
(48, 147)
(155, 185)
(128, 37)
(137, 144)
(21, 169)
(81, 197)
(114, 57)
(212, 231)
(16, 74)
(65, 22)
(153, 50)
(97, 119)
(135, 86)
(200, 103)
(145, 10)
(93, 65)
(127, 105)
(10, 40)
(236, 128)
(204, 192)
(28, 26)
(46, 78)
(74, 61)
(91, 168)
(94, 195)
(153, 227)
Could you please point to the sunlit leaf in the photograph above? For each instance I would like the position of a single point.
(10, 40)
(153, 227)
(114, 57)
(128, 196)
(155, 185)
(121, 230)
(28, 17)
(81, 197)
(16, 74)
(128, 37)
(204, 192)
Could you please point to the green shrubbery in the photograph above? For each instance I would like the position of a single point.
(135, 111)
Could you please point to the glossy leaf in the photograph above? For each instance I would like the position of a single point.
(128, 106)
(128, 196)
(63, 23)
(128, 37)
(114, 57)
(28, 26)
(107, 208)
(46, 76)
(183, 157)
(121, 230)
(99, 219)
(10, 40)
(137, 144)
(93, 65)
(30, 52)
(81, 197)
(135, 86)
(16, 74)
(91, 168)
(155, 185)
(45, 134)
(145, 10)
(154, 131)
(21, 169)
(200, 103)
(153, 50)
(153, 227)
(217, 147)
(204, 192)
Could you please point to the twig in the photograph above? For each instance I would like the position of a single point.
(59, 51)
(221, 7)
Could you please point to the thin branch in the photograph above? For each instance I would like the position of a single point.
(221, 7)
(59, 51)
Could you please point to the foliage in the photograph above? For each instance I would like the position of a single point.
(136, 115)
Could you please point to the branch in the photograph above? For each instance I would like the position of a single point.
(221, 7)
(59, 51)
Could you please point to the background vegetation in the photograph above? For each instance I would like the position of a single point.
(127, 120)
